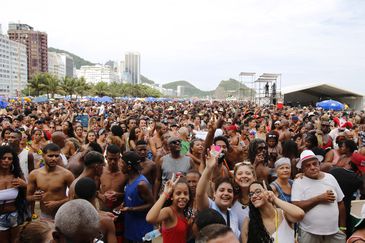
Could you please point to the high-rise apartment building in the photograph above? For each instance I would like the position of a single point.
(132, 67)
(56, 65)
(13, 67)
(60, 64)
(36, 43)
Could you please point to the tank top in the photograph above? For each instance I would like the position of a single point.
(282, 195)
(135, 224)
(178, 233)
(23, 161)
(284, 232)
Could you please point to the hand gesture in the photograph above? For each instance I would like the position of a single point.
(170, 185)
(211, 160)
(111, 196)
(260, 158)
(38, 195)
(51, 204)
(327, 197)
(18, 182)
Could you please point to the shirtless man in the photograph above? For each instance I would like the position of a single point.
(94, 163)
(112, 181)
(49, 183)
(155, 142)
(285, 134)
(148, 166)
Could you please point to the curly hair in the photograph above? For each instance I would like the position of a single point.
(252, 150)
(257, 232)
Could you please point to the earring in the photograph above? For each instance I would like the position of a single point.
(12, 168)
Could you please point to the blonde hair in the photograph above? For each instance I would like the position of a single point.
(244, 163)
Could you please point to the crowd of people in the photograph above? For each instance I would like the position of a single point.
(197, 171)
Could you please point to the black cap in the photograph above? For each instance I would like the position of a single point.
(133, 159)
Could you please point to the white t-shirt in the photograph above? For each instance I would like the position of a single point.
(323, 218)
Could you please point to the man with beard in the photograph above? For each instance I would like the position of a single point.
(112, 181)
(320, 196)
(148, 166)
(172, 163)
(49, 183)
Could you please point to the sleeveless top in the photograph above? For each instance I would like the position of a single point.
(23, 162)
(284, 232)
(135, 223)
(282, 195)
(178, 233)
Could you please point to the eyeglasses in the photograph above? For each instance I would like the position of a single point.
(257, 192)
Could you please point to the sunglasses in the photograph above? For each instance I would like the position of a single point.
(271, 136)
(177, 142)
(242, 163)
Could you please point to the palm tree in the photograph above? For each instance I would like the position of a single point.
(101, 89)
(52, 85)
(82, 86)
(69, 85)
(37, 83)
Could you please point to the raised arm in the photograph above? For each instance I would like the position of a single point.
(157, 214)
(201, 189)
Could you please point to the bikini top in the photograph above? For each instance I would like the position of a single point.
(8, 195)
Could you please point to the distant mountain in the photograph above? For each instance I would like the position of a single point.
(225, 89)
(146, 80)
(189, 90)
(78, 61)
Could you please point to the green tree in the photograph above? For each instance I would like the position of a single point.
(52, 85)
(36, 84)
(101, 89)
(82, 87)
(69, 85)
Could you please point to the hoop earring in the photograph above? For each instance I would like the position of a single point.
(12, 168)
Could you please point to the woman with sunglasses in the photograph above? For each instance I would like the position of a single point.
(12, 195)
(223, 194)
(271, 219)
(244, 174)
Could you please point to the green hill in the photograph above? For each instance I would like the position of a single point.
(78, 61)
(189, 89)
(145, 80)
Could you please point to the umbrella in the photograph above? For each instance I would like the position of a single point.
(331, 105)
(40, 99)
(105, 99)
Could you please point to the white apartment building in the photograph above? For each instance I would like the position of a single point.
(97, 73)
(56, 65)
(13, 67)
(60, 64)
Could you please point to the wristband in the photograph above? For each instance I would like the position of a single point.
(342, 228)
(166, 195)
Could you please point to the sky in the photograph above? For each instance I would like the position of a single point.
(206, 41)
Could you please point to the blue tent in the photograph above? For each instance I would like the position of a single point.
(331, 105)
(105, 99)
(40, 99)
